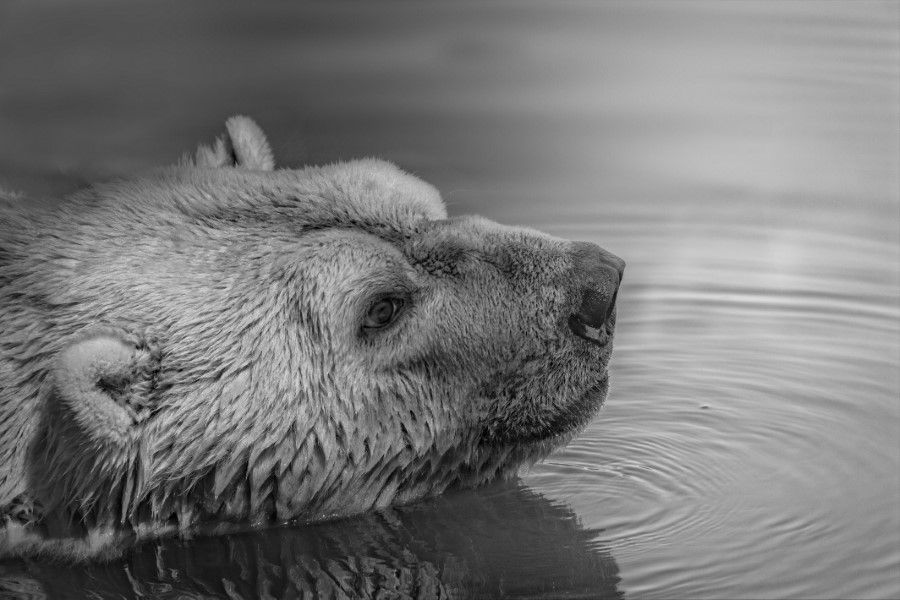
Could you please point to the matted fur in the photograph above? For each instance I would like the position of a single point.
(188, 347)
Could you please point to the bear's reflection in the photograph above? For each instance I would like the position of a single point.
(500, 541)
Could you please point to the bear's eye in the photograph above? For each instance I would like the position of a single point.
(383, 312)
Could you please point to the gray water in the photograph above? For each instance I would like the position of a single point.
(744, 158)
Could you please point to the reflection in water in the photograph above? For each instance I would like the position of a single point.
(502, 541)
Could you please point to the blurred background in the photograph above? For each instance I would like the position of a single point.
(744, 159)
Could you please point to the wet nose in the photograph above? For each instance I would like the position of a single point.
(598, 274)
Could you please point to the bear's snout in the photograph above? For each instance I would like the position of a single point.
(597, 275)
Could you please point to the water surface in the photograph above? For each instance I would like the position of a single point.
(744, 158)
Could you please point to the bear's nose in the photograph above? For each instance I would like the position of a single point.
(597, 274)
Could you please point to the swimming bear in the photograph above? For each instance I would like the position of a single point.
(226, 342)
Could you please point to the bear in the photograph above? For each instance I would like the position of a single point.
(224, 342)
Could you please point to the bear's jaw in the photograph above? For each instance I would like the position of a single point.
(550, 428)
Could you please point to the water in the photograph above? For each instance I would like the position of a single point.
(744, 158)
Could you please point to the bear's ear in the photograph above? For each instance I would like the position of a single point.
(245, 146)
(104, 380)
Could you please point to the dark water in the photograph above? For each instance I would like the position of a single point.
(743, 157)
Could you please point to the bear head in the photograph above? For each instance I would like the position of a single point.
(224, 341)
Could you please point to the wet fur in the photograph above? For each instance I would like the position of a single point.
(222, 300)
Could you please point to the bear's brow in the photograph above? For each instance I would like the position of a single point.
(441, 256)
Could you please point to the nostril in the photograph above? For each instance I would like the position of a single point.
(597, 307)
(596, 277)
